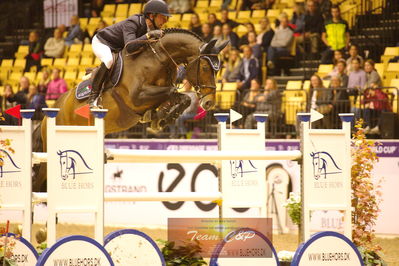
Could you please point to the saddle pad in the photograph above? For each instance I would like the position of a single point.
(84, 87)
(83, 90)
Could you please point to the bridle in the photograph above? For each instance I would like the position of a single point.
(197, 86)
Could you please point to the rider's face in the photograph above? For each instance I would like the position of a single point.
(160, 20)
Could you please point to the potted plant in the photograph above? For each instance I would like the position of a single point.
(184, 255)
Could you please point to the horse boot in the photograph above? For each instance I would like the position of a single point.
(184, 102)
(98, 81)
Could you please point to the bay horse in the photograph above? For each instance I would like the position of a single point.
(146, 90)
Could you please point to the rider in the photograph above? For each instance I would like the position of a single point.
(130, 33)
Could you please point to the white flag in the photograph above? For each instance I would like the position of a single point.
(234, 116)
(314, 115)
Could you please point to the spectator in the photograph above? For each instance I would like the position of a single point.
(36, 100)
(244, 39)
(232, 72)
(313, 25)
(268, 102)
(179, 129)
(339, 71)
(195, 24)
(372, 76)
(298, 19)
(55, 46)
(217, 34)
(338, 56)
(180, 6)
(335, 35)
(325, 8)
(75, 34)
(225, 19)
(249, 70)
(353, 54)
(56, 87)
(206, 32)
(8, 93)
(257, 4)
(35, 52)
(341, 102)
(256, 49)
(375, 101)
(281, 42)
(213, 21)
(62, 29)
(248, 103)
(7, 103)
(228, 34)
(321, 101)
(44, 81)
(21, 96)
(96, 6)
(266, 35)
(357, 78)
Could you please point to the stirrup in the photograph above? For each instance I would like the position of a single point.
(94, 104)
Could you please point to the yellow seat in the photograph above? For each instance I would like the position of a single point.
(134, 9)
(201, 6)
(70, 78)
(241, 30)
(379, 67)
(306, 85)
(59, 63)
(6, 64)
(86, 62)
(81, 74)
(257, 15)
(272, 14)
(289, 12)
(186, 17)
(326, 83)
(15, 76)
(225, 99)
(23, 50)
(219, 86)
(108, 10)
(215, 5)
(94, 21)
(87, 50)
(97, 61)
(119, 19)
(72, 63)
(83, 23)
(109, 20)
(46, 62)
(293, 103)
(392, 72)
(122, 10)
(324, 69)
(389, 53)
(3, 76)
(175, 18)
(203, 16)
(19, 65)
(75, 50)
(31, 76)
(244, 16)
(230, 86)
(294, 85)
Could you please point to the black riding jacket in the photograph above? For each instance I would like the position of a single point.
(118, 35)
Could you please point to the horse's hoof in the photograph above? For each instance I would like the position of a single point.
(148, 116)
(158, 124)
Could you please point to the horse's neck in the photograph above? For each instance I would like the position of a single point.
(181, 47)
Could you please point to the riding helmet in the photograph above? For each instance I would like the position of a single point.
(156, 7)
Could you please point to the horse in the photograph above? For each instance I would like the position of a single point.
(146, 90)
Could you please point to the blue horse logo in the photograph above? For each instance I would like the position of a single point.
(69, 161)
(7, 162)
(237, 167)
(324, 164)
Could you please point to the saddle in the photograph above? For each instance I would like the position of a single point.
(83, 89)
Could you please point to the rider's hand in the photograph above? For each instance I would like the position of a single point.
(154, 34)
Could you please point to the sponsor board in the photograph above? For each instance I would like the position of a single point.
(23, 253)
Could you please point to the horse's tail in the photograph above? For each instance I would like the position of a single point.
(37, 142)
(39, 170)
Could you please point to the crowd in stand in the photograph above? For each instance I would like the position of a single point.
(316, 28)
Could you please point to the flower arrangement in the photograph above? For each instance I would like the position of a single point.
(285, 256)
(293, 206)
(365, 196)
(7, 244)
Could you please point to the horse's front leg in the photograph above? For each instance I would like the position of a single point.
(170, 110)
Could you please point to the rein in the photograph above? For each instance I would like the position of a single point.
(196, 86)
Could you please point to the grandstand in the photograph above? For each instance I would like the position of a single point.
(373, 26)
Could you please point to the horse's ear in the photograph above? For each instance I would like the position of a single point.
(207, 47)
(221, 47)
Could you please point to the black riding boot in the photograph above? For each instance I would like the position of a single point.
(98, 81)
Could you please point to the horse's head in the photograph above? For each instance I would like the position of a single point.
(201, 72)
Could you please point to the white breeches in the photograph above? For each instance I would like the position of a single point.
(102, 51)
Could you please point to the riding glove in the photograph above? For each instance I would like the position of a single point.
(154, 34)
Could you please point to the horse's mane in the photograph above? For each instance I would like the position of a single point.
(183, 31)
